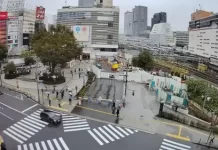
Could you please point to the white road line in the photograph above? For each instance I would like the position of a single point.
(56, 144)
(16, 139)
(24, 129)
(13, 109)
(37, 113)
(95, 137)
(175, 143)
(86, 125)
(63, 144)
(50, 145)
(102, 137)
(43, 145)
(6, 116)
(173, 146)
(18, 135)
(105, 133)
(74, 121)
(167, 148)
(76, 118)
(38, 120)
(27, 127)
(21, 132)
(129, 130)
(18, 147)
(35, 116)
(13, 96)
(34, 122)
(122, 130)
(37, 146)
(25, 147)
(32, 125)
(69, 117)
(79, 129)
(111, 132)
(31, 146)
(115, 130)
(29, 108)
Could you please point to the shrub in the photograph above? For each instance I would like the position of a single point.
(47, 79)
(11, 76)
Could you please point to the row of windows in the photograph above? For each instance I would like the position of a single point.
(206, 43)
(199, 45)
(202, 32)
(215, 47)
(205, 53)
(215, 43)
(201, 49)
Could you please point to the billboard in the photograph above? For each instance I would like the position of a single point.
(3, 31)
(40, 13)
(74, 15)
(3, 15)
(13, 32)
(81, 33)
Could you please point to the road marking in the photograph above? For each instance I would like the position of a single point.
(102, 137)
(74, 121)
(25, 147)
(129, 130)
(27, 127)
(43, 145)
(16, 139)
(178, 137)
(75, 118)
(50, 145)
(122, 130)
(19, 147)
(30, 132)
(13, 109)
(30, 124)
(20, 136)
(95, 137)
(86, 125)
(38, 120)
(36, 123)
(107, 135)
(175, 143)
(6, 116)
(63, 144)
(37, 146)
(115, 130)
(56, 144)
(31, 146)
(111, 132)
(79, 129)
(21, 98)
(35, 116)
(21, 132)
(29, 108)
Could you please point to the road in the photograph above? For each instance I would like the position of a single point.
(27, 132)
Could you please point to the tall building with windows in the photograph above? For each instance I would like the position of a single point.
(97, 29)
(140, 15)
(86, 3)
(160, 17)
(181, 38)
(128, 23)
(203, 37)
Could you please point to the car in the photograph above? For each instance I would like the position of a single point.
(1, 93)
(51, 117)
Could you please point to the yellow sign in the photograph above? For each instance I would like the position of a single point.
(115, 66)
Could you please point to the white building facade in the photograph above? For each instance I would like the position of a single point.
(203, 37)
(162, 34)
(181, 38)
(128, 20)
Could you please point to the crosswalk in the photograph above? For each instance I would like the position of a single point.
(72, 123)
(171, 145)
(109, 133)
(55, 144)
(26, 128)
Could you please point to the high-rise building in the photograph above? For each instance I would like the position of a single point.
(128, 23)
(203, 37)
(181, 38)
(160, 17)
(199, 14)
(96, 29)
(86, 3)
(140, 14)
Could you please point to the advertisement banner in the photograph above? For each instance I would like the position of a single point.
(74, 15)
(3, 15)
(81, 33)
(40, 13)
(3, 31)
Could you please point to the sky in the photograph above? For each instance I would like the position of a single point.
(178, 11)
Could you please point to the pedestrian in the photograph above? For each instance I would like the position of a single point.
(75, 70)
(62, 94)
(59, 103)
(212, 139)
(79, 69)
(66, 88)
(76, 88)
(3, 146)
(56, 94)
(118, 111)
(70, 97)
(49, 100)
(71, 71)
(72, 74)
(79, 74)
(113, 107)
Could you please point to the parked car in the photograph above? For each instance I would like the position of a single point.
(50, 117)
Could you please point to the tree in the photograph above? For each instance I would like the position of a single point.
(3, 52)
(10, 68)
(29, 61)
(144, 60)
(56, 46)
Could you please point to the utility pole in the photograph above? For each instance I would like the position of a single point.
(37, 81)
(1, 72)
(127, 68)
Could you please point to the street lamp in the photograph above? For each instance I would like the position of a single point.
(54, 80)
(205, 99)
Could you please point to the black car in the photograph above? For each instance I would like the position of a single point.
(51, 117)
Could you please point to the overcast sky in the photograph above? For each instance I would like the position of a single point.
(178, 11)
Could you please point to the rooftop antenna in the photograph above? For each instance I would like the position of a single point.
(65, 2)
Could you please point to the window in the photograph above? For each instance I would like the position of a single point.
(101, 1)
(109, 36)
(110, 24)
(216, 35)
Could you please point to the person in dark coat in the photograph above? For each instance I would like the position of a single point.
(3, 146)
(57, 94)
(118, 111)
(62, 94)
(113, 107)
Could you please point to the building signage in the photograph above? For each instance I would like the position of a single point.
(81, 33)
(74, 15)
(40, 13)
(3, 15)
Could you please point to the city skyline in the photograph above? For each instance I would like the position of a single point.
(178, 21)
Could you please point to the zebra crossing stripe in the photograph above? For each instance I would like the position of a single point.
(19, 147)
(24, 129)
(115, 130)
(63, 144)
(35, 116)
(21, 132)
(107, 135)
(122, 130)
(18, 135)
(129, 130)
(56, 144)
(32, 125)
(86, 125)
(43, 145)
(31, 146)
(13, 137)
(111, 132)
(102, 137)
(27, 127)
(36, 113)
(95, 137)
(37, 146)
(76, 118)
(38, 120)
(166, 147)
(74, 121)
(41, 125)
(50, 145)
(175, 143)
(79, 129)
(25, 147)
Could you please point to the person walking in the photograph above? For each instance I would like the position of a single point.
(56, 94)
(76, 88)
(59, 103)
(79, 69)
(212, 139)
(62, 94)
(66, 88)
(118, 111)
(3, 146)
(49, 100)
(113, 107)
(70, 98)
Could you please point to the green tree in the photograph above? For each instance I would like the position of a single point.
(56, 46)
(3, 52)
(29, 61)
(144, 60)
(10, 68)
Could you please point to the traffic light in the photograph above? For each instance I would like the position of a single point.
(133, 93)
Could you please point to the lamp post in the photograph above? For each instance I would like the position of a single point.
(54, 80)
